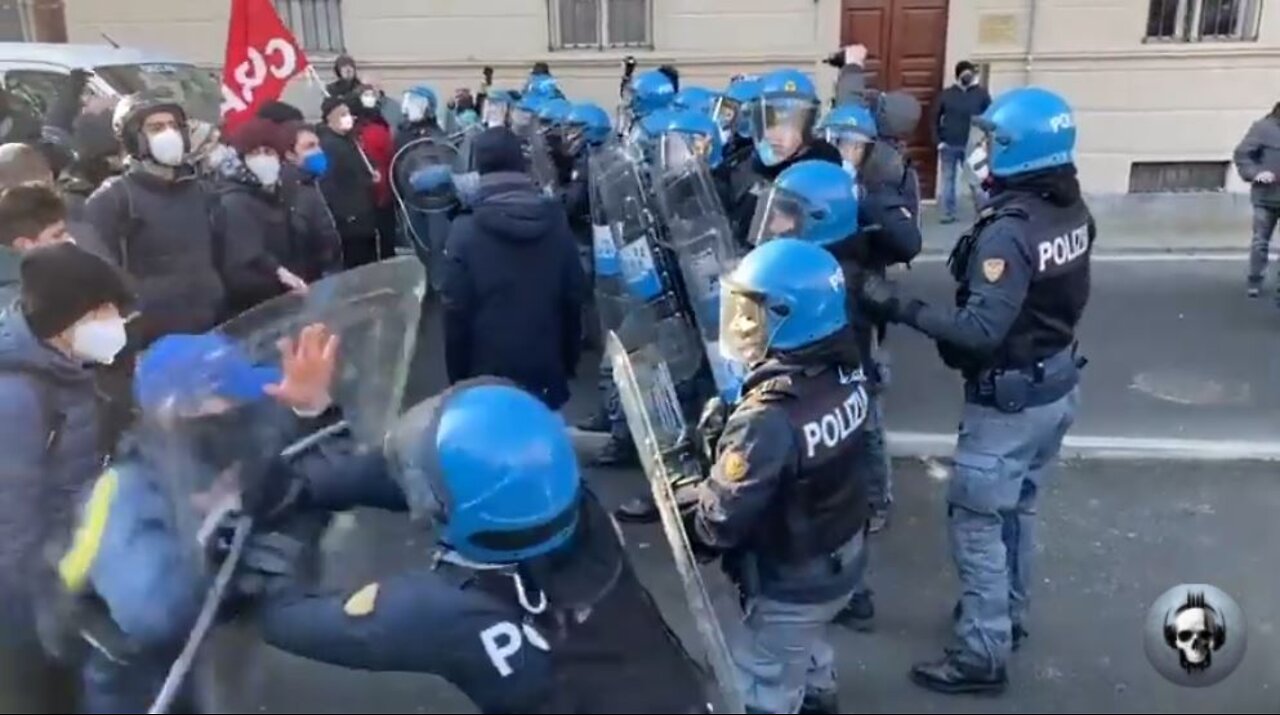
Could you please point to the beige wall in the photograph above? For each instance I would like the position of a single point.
(1134, 101)
(447, 42)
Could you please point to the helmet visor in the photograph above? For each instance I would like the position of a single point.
(784, 123)
(781, 213)
(744, 332)
(680, 148)
(853, 145)
(496, 113)
(725, 111)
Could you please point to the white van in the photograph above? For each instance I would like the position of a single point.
(34, 70)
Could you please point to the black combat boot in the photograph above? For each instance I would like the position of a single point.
(640, 510)
(820, 703)
(859, 614)
(952, 676)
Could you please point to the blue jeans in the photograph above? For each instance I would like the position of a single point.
(1002, 461)
(1264, 225)
(780, 650)
(951, 159)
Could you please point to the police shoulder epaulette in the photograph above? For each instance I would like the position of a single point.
(775, 389)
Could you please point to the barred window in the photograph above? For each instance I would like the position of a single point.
(1203, 20)
(594, 24)
(1148, 177)
(317, 24)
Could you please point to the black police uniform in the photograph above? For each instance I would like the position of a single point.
(570, 632)
(751, 178)
(1023, 274)
(782, 489)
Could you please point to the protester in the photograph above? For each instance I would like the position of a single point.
(348, 81)
(155, 222)
(375, 138)
(513, 285)
(1257, 159)
(254, 217)
(70, 315)
(317, 245)
(31, 215)
(348, 185)
(22, 164)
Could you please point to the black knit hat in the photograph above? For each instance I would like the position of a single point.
(965, 66)
(329, 104)
(62, 283)
(498, 149)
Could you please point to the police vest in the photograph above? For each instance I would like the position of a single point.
(612, 653)
(1059, 240)
(823, 503)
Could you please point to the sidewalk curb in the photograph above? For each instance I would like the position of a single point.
(1091, 447)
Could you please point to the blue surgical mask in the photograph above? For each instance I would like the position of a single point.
(316, 163)
(766, 153)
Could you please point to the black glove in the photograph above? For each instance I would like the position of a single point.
(711, 426)
(879, 296)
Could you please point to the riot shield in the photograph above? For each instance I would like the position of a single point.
(650, 292)
(653, 413)
(699, 237)
(424, 181)
(537, 154)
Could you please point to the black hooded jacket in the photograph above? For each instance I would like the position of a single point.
(344, 87)
(513, 290)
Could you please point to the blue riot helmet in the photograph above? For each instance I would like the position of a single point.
(588, 124)
(731, 107)
(1027, 129)
(499, 105)
(493, 467)
(650, 91)
(698, 99)
(689, 135)
(419, 103)
(543, 85)
(784, 295)
(783, 118)
(553, 112)
(815, 201)
(525, 113)
(851, 128)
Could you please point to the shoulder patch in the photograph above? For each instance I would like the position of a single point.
(733, 465)
(362, 602)
(993, 269)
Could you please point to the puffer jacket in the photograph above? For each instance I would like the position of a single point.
(49, 407)
(255, 221)
(161, 232)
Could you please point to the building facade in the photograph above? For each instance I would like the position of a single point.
(1163, 89)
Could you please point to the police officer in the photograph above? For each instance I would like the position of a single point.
(648, 92)
(698, 99)
(732, 113)
(784, 502)
(820, 201)
(529, 605)
(782, 122)
(1023, 274)
(418, 106)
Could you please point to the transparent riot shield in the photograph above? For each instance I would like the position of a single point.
(649, 296)
(658, 427)
(537, 153)
(425, 182)
(699, 236)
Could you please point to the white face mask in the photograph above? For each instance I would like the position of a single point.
(99, 340)
(978, 163)
(369, 100)
(346, 123)
(415, 112)
(266, 167)
(167, 147)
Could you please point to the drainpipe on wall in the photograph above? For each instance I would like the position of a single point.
(1031, 40)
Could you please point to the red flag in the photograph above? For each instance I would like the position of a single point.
(262, 56)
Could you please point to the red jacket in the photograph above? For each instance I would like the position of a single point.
(375, 140)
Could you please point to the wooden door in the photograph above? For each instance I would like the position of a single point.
(906, 48)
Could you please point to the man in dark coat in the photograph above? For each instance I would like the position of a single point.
(348, 185)
(513, 285)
